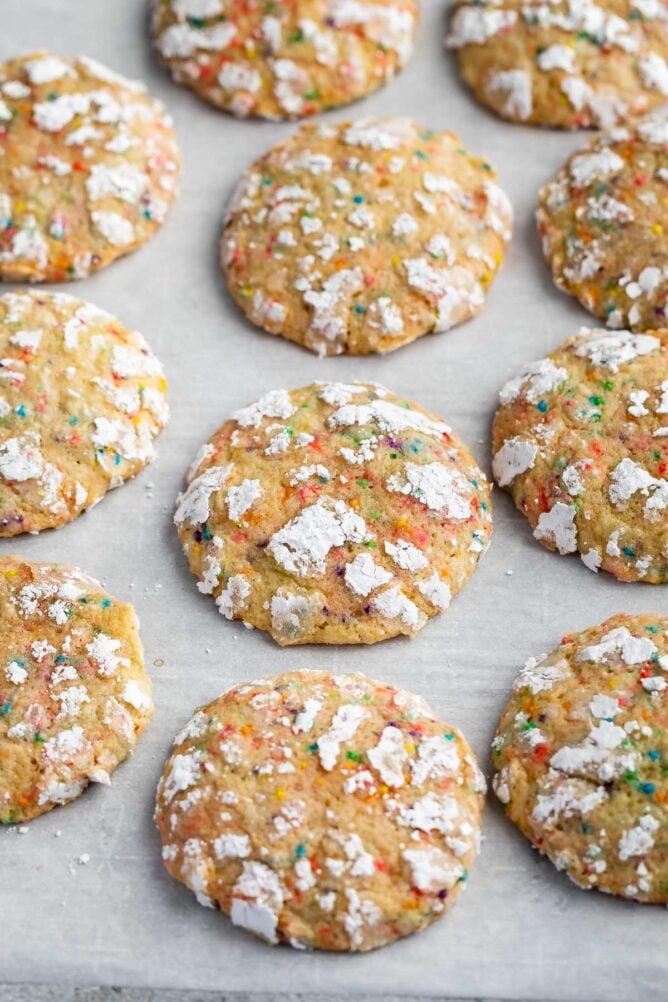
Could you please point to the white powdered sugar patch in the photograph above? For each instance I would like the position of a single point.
(302, 545)
(557, 526)
(516, 456)
(440, 488)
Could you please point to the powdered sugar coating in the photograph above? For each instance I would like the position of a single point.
(89, 169)
(383, 848)
(75, 694)
(581, 442)
(601, 222)
(578, 756)
(365, 515)
(567, 63)
(82, 399)
(284, 60)
(363, 236)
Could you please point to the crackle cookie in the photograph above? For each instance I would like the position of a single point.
(325, 811)
(581, 756)
(284, 59)
(581, 442)
(573, 64)
(88, 167)
(602, 222)
(333, 514)
(74, 696)
(362, 236)
(81, 400)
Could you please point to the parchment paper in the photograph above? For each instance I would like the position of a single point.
(521, 931)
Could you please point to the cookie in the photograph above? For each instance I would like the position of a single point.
(333, 514)
(81, 400)
(283, 60)
(581, 442)
(362, 236)
(580, 756)
(89, 167)
(74, 696)
(602, 224)
(325, 811)
(572, 64)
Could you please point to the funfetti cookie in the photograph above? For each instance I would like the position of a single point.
(73, 691)
(285, 59)
(81, 400)
(88, 171)
(363, 236)
(573, 64)
(581, 442)
(325, 811)
(602, 222)
(333, 514)
(580, 756)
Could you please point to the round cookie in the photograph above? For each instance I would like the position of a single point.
(325, 811)
(74, 696)
(362, 236)
(602, 224)
(581, 442)
(333, 514)
(283, 60)
(89, 167)
(81, 399)
(572, 64)
(580, 756)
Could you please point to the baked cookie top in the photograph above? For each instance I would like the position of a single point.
(567, 63)
(362, 236)
(81, 400)
(89, 167)
(284, 59)
(74, 696)
(581, 442)
(602, 223)
(326, 811)
(580, 756)
(333, 514)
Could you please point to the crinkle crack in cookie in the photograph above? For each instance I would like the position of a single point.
(602, 221)
(73, 691)
(566, 63)
(326, 811)
(363, 236)
(333, 514)
(88, 170)
(81, 400)
(581, 443)
(283, 59)
(580, 756)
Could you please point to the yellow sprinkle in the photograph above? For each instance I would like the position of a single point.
(396, 260)
(657, 228)
(280, 793)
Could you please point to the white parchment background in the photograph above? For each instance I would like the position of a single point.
(521, 931)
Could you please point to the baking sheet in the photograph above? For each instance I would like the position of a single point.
(521, 930)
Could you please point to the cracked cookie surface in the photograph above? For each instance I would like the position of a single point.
(74, 696)
(326, 811)
(581, 442)
(363, 236)
(573, 64)
(89, 169)
(337, 513)
(81, 400)
(581, 753)
(284, 59)
(601, 220)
